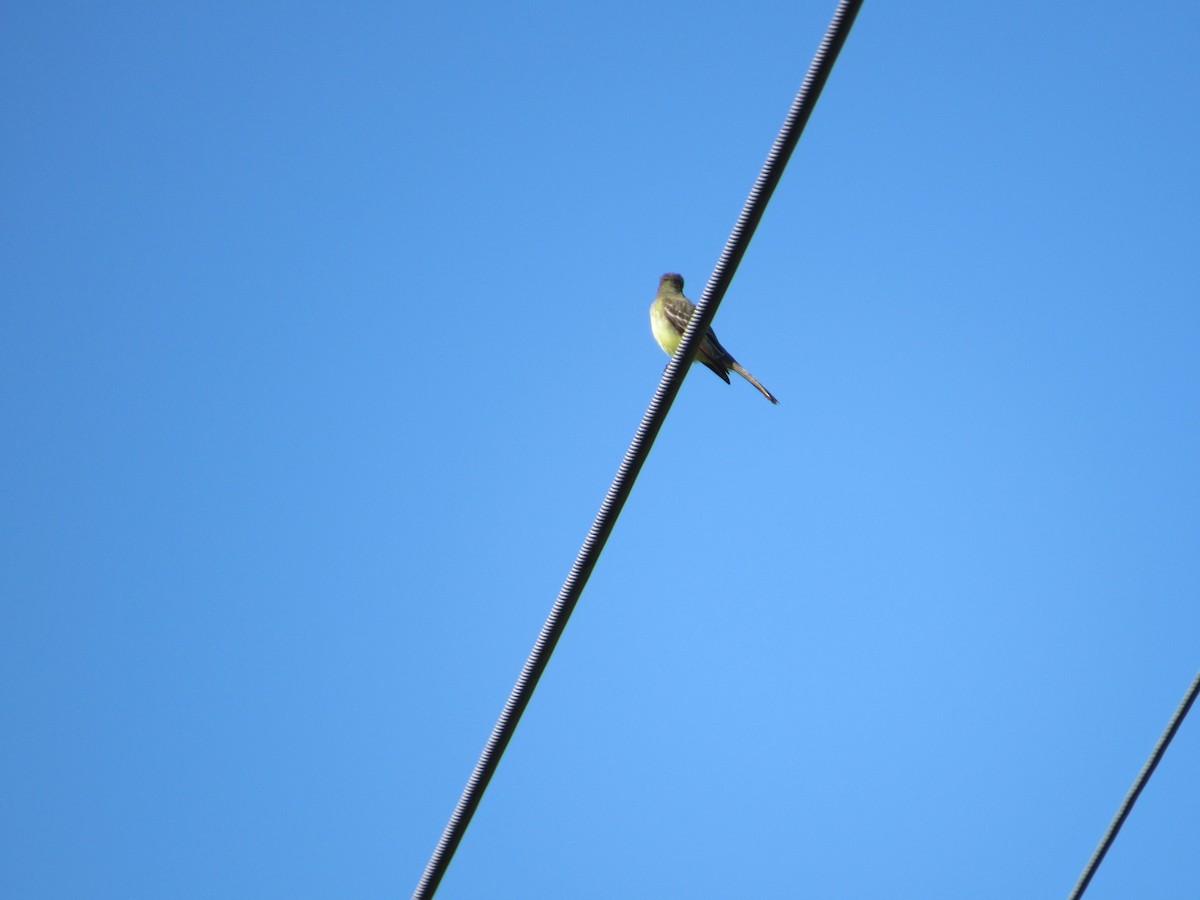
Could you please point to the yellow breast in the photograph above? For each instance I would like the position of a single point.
(668, 338)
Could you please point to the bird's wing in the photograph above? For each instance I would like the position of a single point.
(678, 311)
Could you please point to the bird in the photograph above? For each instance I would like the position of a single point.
(669, 317)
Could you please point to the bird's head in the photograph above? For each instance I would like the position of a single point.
(671, 280)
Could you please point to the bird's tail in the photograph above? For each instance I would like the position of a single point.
(721, 370)
(737, 367)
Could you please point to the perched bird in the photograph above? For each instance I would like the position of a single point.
(669, 317)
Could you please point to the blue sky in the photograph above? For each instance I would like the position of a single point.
(325, 330)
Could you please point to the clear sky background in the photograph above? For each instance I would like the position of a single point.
(324, 332)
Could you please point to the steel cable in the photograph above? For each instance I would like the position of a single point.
(635, 456)
(1131, 798)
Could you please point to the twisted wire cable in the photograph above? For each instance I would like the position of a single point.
(635, 456)
(1134, 792)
